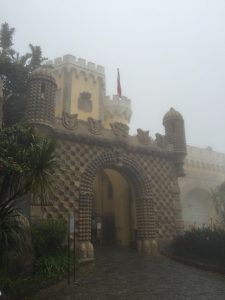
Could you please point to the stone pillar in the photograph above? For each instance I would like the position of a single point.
(179, 225)
(147, 242)
(86, 249)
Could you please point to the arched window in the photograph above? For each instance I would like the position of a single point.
(84, 102)
(43, 90)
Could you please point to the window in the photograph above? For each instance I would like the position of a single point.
(84, 102)
(43, 87)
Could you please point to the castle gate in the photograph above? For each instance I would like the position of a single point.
(86, 147)
(142, 190)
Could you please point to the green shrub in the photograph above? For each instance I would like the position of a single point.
(51, 266)
(203, 243)
(48, 237)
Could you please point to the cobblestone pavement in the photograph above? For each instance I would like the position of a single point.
(125, 274)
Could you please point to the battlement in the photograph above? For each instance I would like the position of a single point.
(118, 106)
(205, 159)
(205, 155)
(116, 100)
(77, 62)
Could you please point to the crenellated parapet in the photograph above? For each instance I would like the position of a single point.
(71, 62)
(117, 109)
(204, 160)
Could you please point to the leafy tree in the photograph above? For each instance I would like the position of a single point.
(27, 163)
(36, 57)
(14, 73)
(6, 36)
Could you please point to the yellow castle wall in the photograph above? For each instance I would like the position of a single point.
(83, 82)
(119, 205)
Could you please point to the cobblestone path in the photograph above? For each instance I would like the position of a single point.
(126, 275)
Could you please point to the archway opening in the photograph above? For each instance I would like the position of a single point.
(113, 210)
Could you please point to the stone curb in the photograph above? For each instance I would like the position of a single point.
(196, 264)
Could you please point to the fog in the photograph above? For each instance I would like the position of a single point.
(170, 54)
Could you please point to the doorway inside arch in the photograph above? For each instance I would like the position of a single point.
(113, 213)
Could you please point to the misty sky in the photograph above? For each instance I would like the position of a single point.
(170, 53)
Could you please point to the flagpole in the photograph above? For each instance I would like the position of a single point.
(119, 90)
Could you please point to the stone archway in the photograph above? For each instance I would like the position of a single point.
(144, 202)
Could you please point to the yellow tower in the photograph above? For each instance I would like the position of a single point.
(81, 87)
(81, 91)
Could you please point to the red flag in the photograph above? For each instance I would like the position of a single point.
(119, 91)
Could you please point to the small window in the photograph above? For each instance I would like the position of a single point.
(43, 88)
(84, 102)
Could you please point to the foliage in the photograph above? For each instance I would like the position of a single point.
(6, 35)
(218, 196)
(14, 72)
(27, 163)
(13, 235)
(201, 243)
(36, 57)
(48, 237)
(50, 260)
(51, 266)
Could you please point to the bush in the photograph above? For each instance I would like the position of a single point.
(48, 237)
(51, 266)
(202, 243)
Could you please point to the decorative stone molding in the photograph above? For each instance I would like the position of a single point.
(143, 137)
(160, 141)
(70, 121)
(118, 154)
(95, 126)
(120, 129)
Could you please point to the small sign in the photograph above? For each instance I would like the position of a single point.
(99, 225)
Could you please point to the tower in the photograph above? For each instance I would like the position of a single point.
(175, 135)
(117, 110)
(41, 103)
(80, 87)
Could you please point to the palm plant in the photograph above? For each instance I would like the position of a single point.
(27, 163)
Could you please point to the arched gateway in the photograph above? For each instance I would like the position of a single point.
(87, 146)
(143, 199)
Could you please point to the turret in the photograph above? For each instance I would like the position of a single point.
(175, 135)
(41, 101)
(117, 110)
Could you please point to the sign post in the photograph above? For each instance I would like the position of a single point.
(71, 230)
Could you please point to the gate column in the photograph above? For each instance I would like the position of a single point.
(146, 243)
(86, 249)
